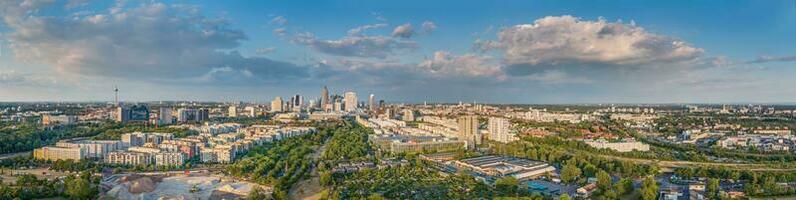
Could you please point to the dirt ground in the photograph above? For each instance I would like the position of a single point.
(10, 176)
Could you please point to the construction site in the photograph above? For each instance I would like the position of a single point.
(176, 186)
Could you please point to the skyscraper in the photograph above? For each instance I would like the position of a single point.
(122, 114)
(324, 97)
(296, 103)
(468, 130)
(350, 100)
(276, 104)
(203, 114)
(165, 115)
(372, 102)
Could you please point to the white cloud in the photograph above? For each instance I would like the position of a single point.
(14, 78)
(469, 65)
(77, 3)
(357, 46)
(403, 31)
(279, 20)
(557, 77)
(428, 26)
(765, 59)
(147, 41)
(363, 28)
(267, 50)
(280, 32)
(566, 40)
(378, 16)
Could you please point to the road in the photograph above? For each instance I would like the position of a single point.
(676, 164)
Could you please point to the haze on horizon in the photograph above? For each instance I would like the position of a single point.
(402, 51)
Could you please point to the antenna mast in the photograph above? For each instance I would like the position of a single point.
(116, 94)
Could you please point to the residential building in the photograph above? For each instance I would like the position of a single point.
(59, 153)
(128, 158)
(500, 130)
(169, 159)
(232, 111)
(409, 115)
(58, 120)
(623, 146)
(93, 148)
(468, 130)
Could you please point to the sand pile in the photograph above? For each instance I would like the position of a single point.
(140, 185)
(178, 187)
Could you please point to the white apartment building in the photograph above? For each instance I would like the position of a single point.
(500, 130)
(624, 146)
(172, 158)
(58, 119)
(59, 153)
(128, 158)
(94, 148)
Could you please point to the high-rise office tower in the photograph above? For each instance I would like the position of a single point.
(276, 104)
(186, 115)
(138, 113)
(350, 100)
(165, 116)
(203, 114)
(122, 114)
(324, 97)
(299, 101)
(372, 102)
(468, 130)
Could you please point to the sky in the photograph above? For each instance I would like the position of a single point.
(402, 51)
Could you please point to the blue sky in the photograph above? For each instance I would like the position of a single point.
(402, 51)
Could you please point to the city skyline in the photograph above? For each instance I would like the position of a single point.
(474, 51)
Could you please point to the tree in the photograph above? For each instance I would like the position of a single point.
(649, 189)
(610, 195)
(570, 173)
(79, 189)
(326, 178)
(624, 186)
(713, 188)
(564, 197)
(507, 185)
(279, 194)
(603, 180)
(257, 193)
(375, 196)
